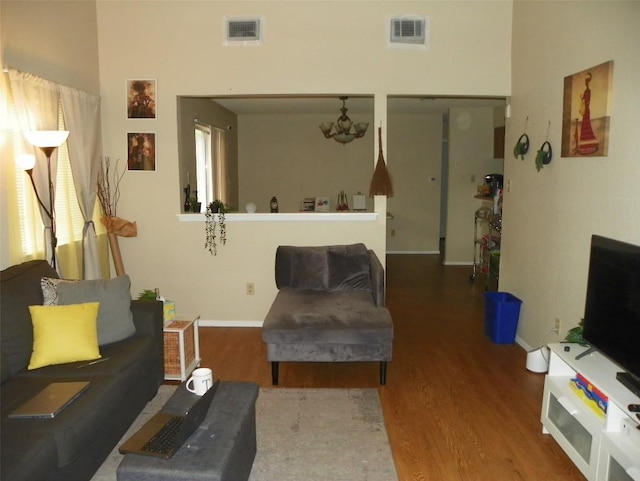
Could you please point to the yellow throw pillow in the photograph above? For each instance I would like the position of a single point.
(64, 334)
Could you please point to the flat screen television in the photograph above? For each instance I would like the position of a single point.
(612, 308)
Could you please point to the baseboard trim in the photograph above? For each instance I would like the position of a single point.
(520, 342)
(449, 263)
(222, 323)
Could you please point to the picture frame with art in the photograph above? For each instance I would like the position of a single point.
(141, 99)
(586, 113)
(322, 204)
(141, 151)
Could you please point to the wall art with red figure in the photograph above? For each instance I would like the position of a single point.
(586, 113)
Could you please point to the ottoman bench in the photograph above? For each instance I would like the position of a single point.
(222, 448)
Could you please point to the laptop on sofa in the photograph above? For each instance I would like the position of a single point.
(50, 401)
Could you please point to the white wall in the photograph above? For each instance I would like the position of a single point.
(550, 216)
(276, 149)
(308, 49)
(470, 159)
(54, 40)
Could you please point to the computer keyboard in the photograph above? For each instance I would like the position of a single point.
(163, 441)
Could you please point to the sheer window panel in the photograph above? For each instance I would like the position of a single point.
(27, 238)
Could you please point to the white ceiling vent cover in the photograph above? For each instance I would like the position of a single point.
(244, 31)
(409, 32)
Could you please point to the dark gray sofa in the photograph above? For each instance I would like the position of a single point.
(329, 308)
(74, 444)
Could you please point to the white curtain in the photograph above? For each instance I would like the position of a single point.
(36, 102)
(82, 119)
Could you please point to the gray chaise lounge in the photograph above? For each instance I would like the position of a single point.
(329, 308)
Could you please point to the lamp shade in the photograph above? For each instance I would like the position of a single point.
(46, 138)
(26, 161)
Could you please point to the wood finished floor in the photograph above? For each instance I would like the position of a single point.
(457, 407)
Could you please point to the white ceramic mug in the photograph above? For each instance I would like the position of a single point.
(202, 380)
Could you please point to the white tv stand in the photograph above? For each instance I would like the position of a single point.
(603, 448)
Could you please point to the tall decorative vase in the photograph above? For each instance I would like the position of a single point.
(118, 227)
(115, 253)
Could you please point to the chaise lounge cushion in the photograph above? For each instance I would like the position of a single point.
(340, 317)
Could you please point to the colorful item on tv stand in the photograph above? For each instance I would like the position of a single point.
(587, 396)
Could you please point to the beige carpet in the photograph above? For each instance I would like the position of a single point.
(306, 434)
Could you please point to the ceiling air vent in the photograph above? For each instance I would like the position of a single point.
(409, 31)
(244, 31)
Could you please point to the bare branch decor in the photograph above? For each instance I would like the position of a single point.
(108, 196)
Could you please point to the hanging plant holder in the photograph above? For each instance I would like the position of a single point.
(543, 156)
(522, 145)
(545, 153)
(215, 222)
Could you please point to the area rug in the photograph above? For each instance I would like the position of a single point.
(321, 435)
(305, 434)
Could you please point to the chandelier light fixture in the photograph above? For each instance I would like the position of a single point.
(47, 141)
(343, 133)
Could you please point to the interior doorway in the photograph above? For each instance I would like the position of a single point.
(434, 186)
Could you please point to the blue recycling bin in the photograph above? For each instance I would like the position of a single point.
(501, 313)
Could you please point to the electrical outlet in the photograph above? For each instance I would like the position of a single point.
(556, 326)
(251, 289)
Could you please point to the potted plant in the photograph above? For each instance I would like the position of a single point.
(148, 295)
(575, 334)
(215, 221)
(194, 205)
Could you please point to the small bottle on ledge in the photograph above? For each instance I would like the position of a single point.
(187, 194)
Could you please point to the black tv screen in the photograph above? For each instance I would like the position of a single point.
(612, 310)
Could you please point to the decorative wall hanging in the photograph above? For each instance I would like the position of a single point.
(381, 181)
(141, 148)
(586, 113)
(545, 153)
(141, 99)
(215, 221)
(522, 145)
(108, 196)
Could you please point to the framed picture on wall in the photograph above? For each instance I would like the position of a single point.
(141, 151)
(586, 112)
(141, 99)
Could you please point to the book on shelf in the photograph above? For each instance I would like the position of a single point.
(590, 395)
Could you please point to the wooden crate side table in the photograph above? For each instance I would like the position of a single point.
(181, 348)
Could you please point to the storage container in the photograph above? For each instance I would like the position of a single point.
(501, 313)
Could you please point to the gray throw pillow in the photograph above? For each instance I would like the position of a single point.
(115, 321)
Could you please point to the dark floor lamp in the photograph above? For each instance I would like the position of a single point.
(47, 141)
